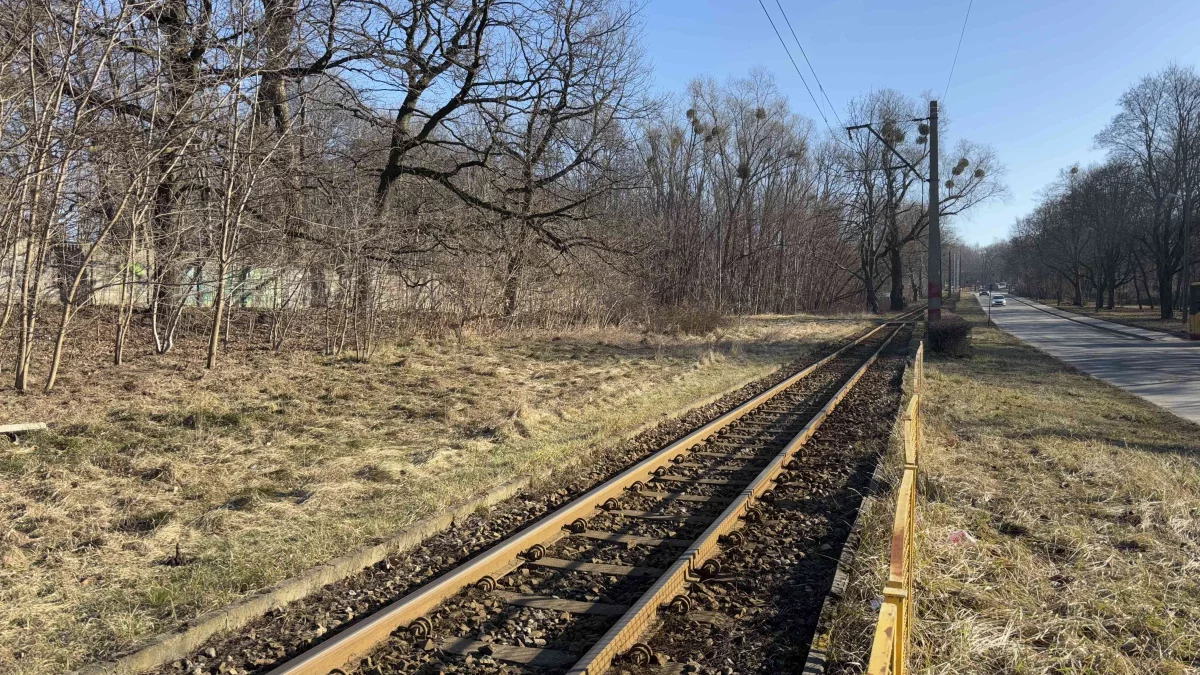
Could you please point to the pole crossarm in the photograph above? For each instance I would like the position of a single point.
(895, 152)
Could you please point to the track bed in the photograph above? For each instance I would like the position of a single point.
(722, 543)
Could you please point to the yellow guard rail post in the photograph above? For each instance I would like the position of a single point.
(888, 651)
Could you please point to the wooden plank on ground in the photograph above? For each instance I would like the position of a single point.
(22, 428)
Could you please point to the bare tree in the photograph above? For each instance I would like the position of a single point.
(1158, 132)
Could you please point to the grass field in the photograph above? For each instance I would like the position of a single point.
(272, 464)
(1084, 506)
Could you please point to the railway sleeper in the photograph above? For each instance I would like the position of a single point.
(684, 497)
(734, 455)
(671, 478)
(561, 605)
(696, 465)
(787, 410)
(783, 423)
(529, 656)
(633, 539)
(666, 517)
(763, 445)
(609, 569)
(760, 438)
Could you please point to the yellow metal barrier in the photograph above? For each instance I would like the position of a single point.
(888, 651)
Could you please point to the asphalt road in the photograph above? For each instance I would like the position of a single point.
(1162, 369)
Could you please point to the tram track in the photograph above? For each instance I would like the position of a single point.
(578, 588)
(761, 613)
(289, 632)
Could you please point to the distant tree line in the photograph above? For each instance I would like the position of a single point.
(1123, 230)
(335, 173)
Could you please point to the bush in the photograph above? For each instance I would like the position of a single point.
(950, 335)
(684, 320)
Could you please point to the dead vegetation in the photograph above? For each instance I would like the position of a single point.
(163, 490)
(1082, 506)
(950, 335)
(1075, 509)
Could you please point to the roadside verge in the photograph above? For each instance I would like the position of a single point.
(1058, 524)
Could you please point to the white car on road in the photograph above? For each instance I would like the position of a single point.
(999, 300)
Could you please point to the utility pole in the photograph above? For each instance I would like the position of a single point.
(935, 233)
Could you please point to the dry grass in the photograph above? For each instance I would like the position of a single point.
(275, 463)
(1085, 504)
(1130, 315)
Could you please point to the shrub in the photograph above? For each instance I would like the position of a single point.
(950, 335)
(684, 320)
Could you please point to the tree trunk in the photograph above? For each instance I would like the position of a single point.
(897, 280)
(1077, 287)
(59, 342)
(214, 335)
(1146, 285)
(119, 344)
(1166, 303)
(872, 295)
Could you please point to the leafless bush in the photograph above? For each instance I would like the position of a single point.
(685, 321)
(950, 335)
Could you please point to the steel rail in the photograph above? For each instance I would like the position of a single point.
(504, 557)
(626, 632)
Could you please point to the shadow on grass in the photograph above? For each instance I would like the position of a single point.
(602, 353)
(1103, 438)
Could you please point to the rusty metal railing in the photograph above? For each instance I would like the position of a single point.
(889, 649)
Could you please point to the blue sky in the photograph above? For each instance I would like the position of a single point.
(1036, 80)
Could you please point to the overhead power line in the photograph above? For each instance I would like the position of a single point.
(960, 41)
(820, 110)
(810, 65)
